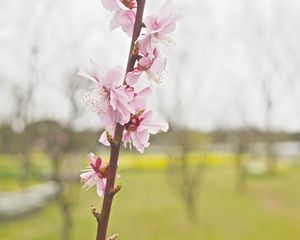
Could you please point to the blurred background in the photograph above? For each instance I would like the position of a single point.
(229, 168)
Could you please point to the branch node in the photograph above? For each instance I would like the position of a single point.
(113, 237)
(115, 190)
(96, 214)
(135, 50)
(110, 138)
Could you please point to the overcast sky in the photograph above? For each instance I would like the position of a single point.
(231, 55)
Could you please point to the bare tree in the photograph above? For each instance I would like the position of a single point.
(267, 68)
(186, 175)
(23, 110)
(59, 140)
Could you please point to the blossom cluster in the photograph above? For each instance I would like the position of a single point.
(118, 97)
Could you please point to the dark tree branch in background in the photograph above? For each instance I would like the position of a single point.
(115, 147)
(184, 176)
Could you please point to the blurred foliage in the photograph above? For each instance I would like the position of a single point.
(35, 137)
(10, 165)
(146, 202)
(146, 209)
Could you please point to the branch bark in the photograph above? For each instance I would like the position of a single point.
(115, 148)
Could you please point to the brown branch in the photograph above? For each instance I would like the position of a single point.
(115, 148)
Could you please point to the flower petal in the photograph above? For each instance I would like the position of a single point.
(110, 5)
(101, 184)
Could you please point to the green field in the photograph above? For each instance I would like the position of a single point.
(147, 208)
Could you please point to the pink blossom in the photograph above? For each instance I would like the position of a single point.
(124, 19)
(137, 131)
(109, 98)
(158, 28)
(165, 23)
(124, 16)
(153, 64)
(95, 174)
(138, 103)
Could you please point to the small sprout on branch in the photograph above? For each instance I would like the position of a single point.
(96, 214)
(135, 50)
(110, 138)
(113, 237)
(115, 190)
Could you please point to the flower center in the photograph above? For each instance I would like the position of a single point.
(104, 93)
(135, 121)
(101, 171)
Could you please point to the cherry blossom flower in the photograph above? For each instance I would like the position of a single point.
(109, 98)
(124, 19)
(138, 129)
(124, 16)
(153, 64)
(158, 28)
(138, 103)
(95, 174)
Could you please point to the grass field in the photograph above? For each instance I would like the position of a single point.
(148, 209)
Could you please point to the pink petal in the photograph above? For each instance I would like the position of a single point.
(103, 139)
(89, 179)
(136, 143)
(167, 7)
(151, 23)
(168, 17)
(140, 100)
(146, 44)
(101, 183)
(113, 99)
(126, 137)
(157, 125)
(143, 135)
(98, 162)
(145, 92)
(86, 176)
(88, 76)
(154, 126)
(112, 78)
(92, 157)
(146, 61)
(109, 119)
(123, 113)
(114, 23)
(132, 77)
(147, 116)
(159, 65)
(126, 20)
(110, 5)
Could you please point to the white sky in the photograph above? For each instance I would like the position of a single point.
(230, 48)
